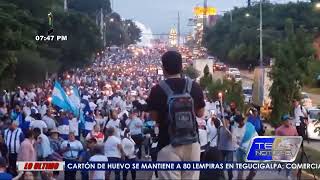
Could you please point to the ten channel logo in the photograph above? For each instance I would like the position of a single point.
(274, 148)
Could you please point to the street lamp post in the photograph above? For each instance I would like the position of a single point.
(261, 55)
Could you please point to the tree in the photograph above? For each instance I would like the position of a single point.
(206, 79)
(236, 42)
(191, 72)
(15, 34)
(83, 39)
(232, 92)
(287, 74)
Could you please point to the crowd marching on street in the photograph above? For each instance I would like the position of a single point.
(122, 115)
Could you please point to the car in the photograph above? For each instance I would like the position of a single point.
(306, 100)
(237, 77)
(219, 66)
(247, 93)
(313, 130)
(233, 71)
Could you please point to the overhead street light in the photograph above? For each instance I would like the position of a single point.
(317, 5)
(111, 20)
(247, 15)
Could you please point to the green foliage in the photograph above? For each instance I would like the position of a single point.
(237, 42)
(232, 92)
(22, 20)
(206, 79)
(288, 71)
(191, 72)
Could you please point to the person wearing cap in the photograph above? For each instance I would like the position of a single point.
(255, 120)
(286, 128)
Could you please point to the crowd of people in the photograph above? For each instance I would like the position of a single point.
(125, 119)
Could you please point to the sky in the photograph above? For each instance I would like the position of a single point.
(161, 15)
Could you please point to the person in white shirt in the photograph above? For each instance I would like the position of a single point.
(27, 109)
(203, 136)
(74, 126)
(113, 149)
(38, 123)
(129, 150)
(98, 156)
(71, 149)
(47, 118)
(300, 118)
(44, 149)
(114, 122)
(135, 126)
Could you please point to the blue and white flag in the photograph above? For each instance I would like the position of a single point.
(75, 101)
(60, 98)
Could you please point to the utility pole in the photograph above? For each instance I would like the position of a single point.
(261, 55)
(178, 33)
(101, 25)
(65, 5)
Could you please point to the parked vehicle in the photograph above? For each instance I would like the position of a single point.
(306, 100)
(219, 66)
(233, 71)
(247, 93)
(313, 129)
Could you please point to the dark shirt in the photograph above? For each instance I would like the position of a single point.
(157, 101)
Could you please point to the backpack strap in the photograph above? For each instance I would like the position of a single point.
(188, 85)
(165, 87)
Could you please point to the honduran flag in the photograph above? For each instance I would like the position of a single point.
(75, 101)
(60, 98)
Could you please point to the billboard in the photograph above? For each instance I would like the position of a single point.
(204, 11)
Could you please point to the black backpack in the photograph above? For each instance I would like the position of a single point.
(181, 115)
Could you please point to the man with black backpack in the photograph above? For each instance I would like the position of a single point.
(174, 104)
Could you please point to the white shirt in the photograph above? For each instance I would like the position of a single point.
(238, 134)
(45, 146)
(111, 147)
(92, 106)
(75, 148)
(38, 124)
(98, 174)
(51, 124)
(129, 147)
(74, 126)
(203, 136)
(29, 119)
(101, 121)
(116, 125)
(135, 126)
(299, 113)
(212, 134)
(27, 110)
